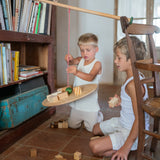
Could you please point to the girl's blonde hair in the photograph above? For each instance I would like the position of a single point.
(139, 46)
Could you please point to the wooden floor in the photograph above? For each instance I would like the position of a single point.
(48, 142)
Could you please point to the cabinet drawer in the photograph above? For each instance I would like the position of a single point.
(17, 109)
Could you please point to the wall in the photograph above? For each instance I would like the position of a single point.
(82, 23)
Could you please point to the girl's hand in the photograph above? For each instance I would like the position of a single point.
(72, 69)
(114, 101)
(68, 57)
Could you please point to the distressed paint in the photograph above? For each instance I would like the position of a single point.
(17, 109)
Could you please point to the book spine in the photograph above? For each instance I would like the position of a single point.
(31, 19)
(17, 14)
(1, 60)
(13, 62)
(34, 16)
(42, 18)
(11, 65)
(37, 23)
(23, 17)
(5, 14)
(4, 64)
(1, 17)
(13, 13)
(49, 19)
(16, 66)
(10, 15)
(46, 19)
(8, 61)
(27, 15)
(20, 12)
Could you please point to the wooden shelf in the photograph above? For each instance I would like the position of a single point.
(12, 36)
(21, 81)
(41, 51)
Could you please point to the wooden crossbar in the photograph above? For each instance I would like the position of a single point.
(82, 10)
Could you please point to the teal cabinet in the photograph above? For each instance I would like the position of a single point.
(17, 109)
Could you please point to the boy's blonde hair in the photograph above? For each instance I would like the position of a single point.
(88, 39)
(139, 46)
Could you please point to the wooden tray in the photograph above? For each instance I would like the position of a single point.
(86, 90)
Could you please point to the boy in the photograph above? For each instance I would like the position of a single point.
(121, 132)
(87, 71)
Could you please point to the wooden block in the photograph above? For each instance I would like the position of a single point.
(56, 124)
(65, 124)
(58, 157)
(52, 98)
(77, 91)
(113, 102)
(33, 153)
(52, 125)
(77, 155)
(60, 124)
(95, 137)
(63, 95)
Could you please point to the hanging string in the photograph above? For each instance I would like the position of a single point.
(68, 44)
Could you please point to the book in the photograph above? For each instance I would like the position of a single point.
(8, 61)
(33, 25)
(49, 19)
(9, 12)
(21, 12)
(28, 68)
(46, 19)
(27, 15)
(4, 67)
(13, 13)
(12, 66)
(23, 16)
(1, 74)
(16, 65)
(38, 15)
(29, 74)
(17, 14)
(31, 18)
(42, 18)
(5, 14)
(1, 17)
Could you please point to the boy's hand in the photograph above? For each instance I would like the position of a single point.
(114, 101)
(68, 57)
(72, 69)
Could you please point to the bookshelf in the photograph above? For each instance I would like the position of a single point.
(38, 50)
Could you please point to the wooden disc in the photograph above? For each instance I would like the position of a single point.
(86, 90)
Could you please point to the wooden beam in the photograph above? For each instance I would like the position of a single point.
(82, 10)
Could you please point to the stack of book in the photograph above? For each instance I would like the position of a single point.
(25, 16)
(27, 71)
(9, 64)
